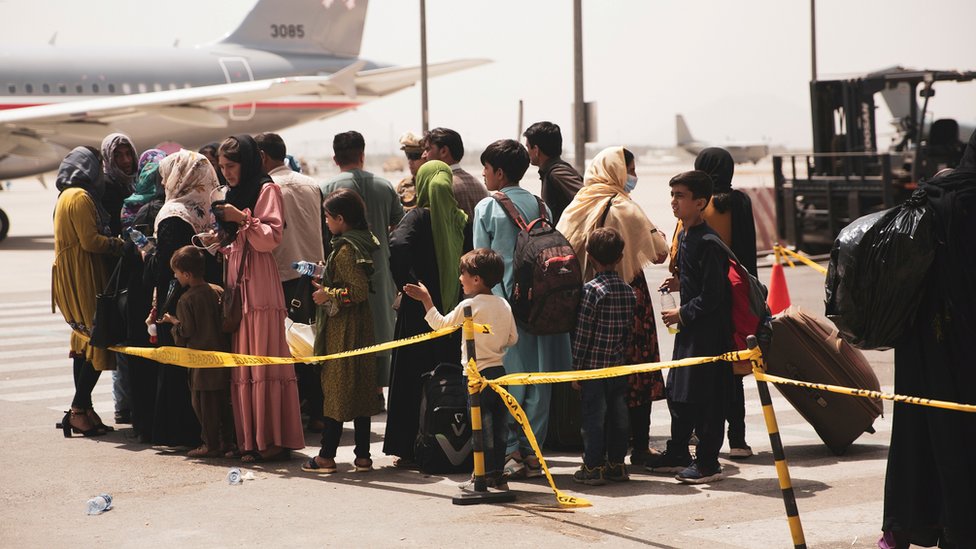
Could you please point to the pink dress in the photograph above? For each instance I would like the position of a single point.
(264, 398)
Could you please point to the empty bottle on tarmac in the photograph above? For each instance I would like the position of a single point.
(668, 303)
(307, 268)
(142, 241)
(99, 504)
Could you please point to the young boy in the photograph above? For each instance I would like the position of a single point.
(481, 269)
(197, 326)
(602, 332)
(505, 162)
(698, 395)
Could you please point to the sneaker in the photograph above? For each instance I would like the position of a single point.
(590, 477)
(493, 484)
(514, 469)
(667, 463)
(740, 453)
(617, 472)
(639, 458)
(533, 469)
(692, 475)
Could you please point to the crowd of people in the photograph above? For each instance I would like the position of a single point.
(228, 223)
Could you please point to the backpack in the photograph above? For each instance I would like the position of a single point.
(750, 313)
(443, 442)
(547, 277)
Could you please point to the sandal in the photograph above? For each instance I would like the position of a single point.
(312, 466)
(282, 454)
(405, 463)
(362, 465)
(203, 452)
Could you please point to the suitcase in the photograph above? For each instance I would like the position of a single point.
(443, 443)
(565, 419)
(807, 348)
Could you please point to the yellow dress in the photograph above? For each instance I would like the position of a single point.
(80, 269)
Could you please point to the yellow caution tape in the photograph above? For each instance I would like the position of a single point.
(781, 251)
(866, 393)
(192, 358)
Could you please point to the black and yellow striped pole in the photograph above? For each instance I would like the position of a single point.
(782, 470)
(480, 494)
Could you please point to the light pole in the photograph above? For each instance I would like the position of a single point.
(423, 67)
(579, 112)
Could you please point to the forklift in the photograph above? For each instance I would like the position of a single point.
(845, 177)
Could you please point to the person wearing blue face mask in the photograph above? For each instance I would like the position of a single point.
(604, 201)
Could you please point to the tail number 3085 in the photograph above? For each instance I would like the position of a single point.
(287, 31)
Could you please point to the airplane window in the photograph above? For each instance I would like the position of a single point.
(142, 87)
(172, 85)
(94, 88)
(12, 88)
(29, 88)
(157, 87)
(46, 88)
(126, 88)
(187, 85)
(79, 89)
(62, 88)
(111, 88)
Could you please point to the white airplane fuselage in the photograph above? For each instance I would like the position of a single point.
(48, 75)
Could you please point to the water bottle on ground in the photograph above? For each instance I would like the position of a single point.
(234, 476)
(144, 243)
(667, 303)
(307, 268)
(99, 504)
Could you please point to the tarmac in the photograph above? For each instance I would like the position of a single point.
(164, 499)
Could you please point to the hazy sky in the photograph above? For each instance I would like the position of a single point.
(736, 70)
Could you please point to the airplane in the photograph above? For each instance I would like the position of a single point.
(741, 153)
(288, 62)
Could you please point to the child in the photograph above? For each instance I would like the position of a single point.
(602, 331)
(505, 162)
(197, 325)
(481, 269)
(343, 322)
(698, 395)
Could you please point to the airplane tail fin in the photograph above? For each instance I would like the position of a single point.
(325, 27)
(682, 133)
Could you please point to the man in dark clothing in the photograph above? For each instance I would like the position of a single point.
(560, 181)
(697, 395)
(930, 485)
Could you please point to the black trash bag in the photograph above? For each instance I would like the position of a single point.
(877, 265)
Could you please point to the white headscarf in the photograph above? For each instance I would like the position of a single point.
(603, 187)
(189, 179)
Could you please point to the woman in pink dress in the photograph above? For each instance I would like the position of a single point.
(264, 398)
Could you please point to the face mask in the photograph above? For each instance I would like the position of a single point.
(631, 183)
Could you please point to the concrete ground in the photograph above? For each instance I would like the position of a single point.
(164, 499)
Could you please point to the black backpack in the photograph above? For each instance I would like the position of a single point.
(547, 277)
(444, 440)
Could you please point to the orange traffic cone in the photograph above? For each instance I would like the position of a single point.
(779, 295)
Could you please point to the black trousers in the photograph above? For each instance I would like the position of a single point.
(707, 420)
(86, 377)
(736, 415)
(333, 433)
(640, 427)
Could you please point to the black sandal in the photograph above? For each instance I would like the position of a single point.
(67, 428)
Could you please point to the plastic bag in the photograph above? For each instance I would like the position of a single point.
(300, 338)
(877, 265)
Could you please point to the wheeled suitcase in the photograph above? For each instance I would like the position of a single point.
(807, 348)
(565, 419)
(443, 443)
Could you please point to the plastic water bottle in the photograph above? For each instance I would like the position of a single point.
(234, 476)
(668, 303)
(99, 504)
(307, 268)
(142, 241)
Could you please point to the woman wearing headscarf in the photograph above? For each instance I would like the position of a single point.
(145, 186)
(604, 201)
(930, 484)
(426, 247)
(188, 180)
(729, 213)
(265, 398)
(83, 243)
(120, 166)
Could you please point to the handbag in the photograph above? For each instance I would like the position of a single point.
(233, 300)
(110, 326)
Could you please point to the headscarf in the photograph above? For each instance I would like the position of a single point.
(435, 191)
(109, 145)
(151, 155)
(81, 168)
(189, 179)
(146, 187)
(718, 164)
(603, 186)
(244, 195)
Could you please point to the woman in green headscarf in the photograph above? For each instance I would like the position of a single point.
(426, 247)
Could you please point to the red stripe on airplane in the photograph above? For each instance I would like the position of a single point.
(263, 105)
